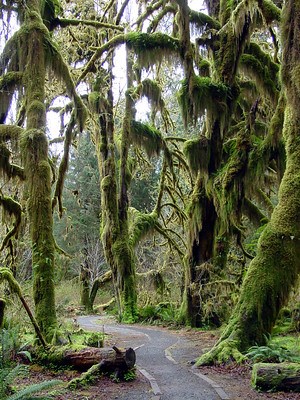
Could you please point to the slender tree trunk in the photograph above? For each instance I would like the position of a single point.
(37, 168)
(275, 269)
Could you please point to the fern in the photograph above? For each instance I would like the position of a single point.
(7, 377)
(26, 394)
(271, 354)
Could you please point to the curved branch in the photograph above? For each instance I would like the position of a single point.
(64, 22)
(6, 275)
(11, 207)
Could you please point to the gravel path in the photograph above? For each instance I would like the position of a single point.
(170, 379)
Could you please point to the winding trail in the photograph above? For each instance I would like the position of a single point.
(169, 378)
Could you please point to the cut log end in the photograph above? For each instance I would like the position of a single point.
(276, 377)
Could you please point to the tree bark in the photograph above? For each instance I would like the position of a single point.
(276, 377)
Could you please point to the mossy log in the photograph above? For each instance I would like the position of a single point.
(109, 359)
(276, 377)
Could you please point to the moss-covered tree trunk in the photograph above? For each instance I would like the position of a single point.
(202, 241)
(275, 269)
(36, 166)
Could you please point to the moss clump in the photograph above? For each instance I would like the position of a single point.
(203, 21)
(204, 68)
(270, 11)
(147, 137)
(140, 225)
(202, 94)
(153, 48)
(197, 152)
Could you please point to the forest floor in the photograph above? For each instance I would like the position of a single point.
(176, 349)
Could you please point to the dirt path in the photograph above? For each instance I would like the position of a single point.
(162, 359)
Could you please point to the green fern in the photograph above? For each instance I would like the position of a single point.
(271, 354)
(26, 393)
(7, 377)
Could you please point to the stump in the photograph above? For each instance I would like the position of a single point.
(276, 377)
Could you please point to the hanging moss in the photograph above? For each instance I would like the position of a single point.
(146, 137)
(49, 11)
(61, 70)
(204, 68)
(197, 152)
(252, 67)
(8, 83)
(204, 94)
(226, 8)
(140, 225)
(153, 48)
(10, 207)
(203, 21)
(152, 91)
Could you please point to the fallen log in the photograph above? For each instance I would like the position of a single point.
(82, 359)
(115, 361)
(276, 377)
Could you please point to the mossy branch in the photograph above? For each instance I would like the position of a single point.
(64, 22)
(10, 132)
(63, 167)
(150, 47)
(6, 275)
(147, 137)
(141, 225)
(6, 168)
(10, 80)
(203, 21)
(270, 11)
(62, 72)
(11, 207)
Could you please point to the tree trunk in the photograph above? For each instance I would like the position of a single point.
(275, 269)
(37, 168)
(85, 288)
(276, 377)
(2, 308)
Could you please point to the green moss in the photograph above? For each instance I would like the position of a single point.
(140, 225)
(197, 152)
(153, 48)
(204, 68)
(2, 308)
(275, 379)
(203, 21)
(7, 276)
(270, 11)
(147, 137)
(201, 94)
